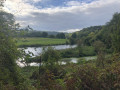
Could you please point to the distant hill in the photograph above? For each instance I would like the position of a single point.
(109, 33)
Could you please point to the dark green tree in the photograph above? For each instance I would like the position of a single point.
(100, 50)
(44, 34)
(8, 50)
(60, 35)
(115, 27)
(74, 35)
(50, 55)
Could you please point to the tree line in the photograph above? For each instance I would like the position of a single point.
(29, 32)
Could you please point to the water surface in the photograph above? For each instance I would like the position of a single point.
(38, 50)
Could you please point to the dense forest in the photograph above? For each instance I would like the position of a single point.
(102, 73)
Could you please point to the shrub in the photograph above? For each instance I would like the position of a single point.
(85, 78)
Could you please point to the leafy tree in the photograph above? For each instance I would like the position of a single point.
(74, 35)
(110, 33)
(86, 31)
(44, 34)
(60, 35)
(115, 27)
(8, 50)
(100, 50)
(50, 56)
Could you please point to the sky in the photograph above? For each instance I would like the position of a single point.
(62, 15)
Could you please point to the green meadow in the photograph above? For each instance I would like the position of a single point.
(34, 42)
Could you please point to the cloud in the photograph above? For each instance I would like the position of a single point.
(37, 0)
(18, 7)
(70, 30)
(73, 3)
(34, 1)
(75, 15)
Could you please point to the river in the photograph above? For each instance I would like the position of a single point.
(38, 50)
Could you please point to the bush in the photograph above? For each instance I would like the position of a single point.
(50, 56)
(88, 51)
(85, 78)
(67, 53)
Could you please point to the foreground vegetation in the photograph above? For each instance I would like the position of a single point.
(82, 75)
(101, 73)
(35, 42)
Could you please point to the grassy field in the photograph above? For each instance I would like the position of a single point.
(34, 42)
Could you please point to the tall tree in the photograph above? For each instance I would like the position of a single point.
(115, 27)
(8, 50)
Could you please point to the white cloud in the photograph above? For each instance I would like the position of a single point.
(73, 3)
(18, 7)
(34, 1)
(70, 30)
(37, 0)
(76, 15)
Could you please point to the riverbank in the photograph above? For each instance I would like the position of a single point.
(37, 42)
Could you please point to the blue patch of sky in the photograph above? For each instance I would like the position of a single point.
(56, 3)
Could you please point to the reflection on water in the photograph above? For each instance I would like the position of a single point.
(89, 58)
(34, 64)
(74, 60)
(38, 50)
